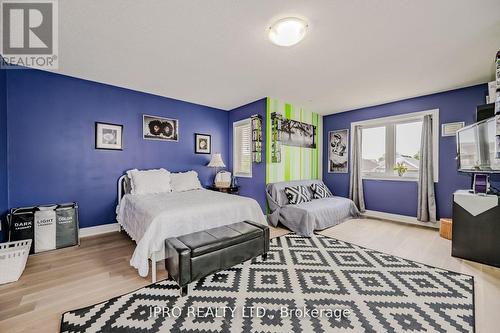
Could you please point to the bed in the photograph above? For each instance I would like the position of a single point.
(307, 217)
(149, 219)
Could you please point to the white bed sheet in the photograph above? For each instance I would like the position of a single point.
(150, 219)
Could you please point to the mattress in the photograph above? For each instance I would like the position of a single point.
(152, 218)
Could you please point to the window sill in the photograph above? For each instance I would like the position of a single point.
(242, 175)
(401, 179)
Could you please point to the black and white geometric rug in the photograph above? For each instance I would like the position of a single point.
(316, 284)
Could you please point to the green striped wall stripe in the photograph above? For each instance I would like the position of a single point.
(296, 162)
(301, 169)
(313, 160)
(268, 140)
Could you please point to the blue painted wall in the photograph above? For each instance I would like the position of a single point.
(51, 140)
(3, 152)
(254, 187)
(47, 126)
(400, 197)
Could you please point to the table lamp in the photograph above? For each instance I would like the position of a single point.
(216, 162)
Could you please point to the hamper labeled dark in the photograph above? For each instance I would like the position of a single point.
(22, 225)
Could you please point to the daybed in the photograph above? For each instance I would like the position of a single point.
(306, 217)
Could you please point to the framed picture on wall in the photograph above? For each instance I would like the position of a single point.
(298, 134)
(338, 151)
(202, 143)
(108, 136)
(158, 128)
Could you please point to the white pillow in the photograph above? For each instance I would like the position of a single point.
(149, 181)
(185, 181)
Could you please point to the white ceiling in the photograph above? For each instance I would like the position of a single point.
(356, 53)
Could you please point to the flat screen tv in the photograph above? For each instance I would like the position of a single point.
(476, 147)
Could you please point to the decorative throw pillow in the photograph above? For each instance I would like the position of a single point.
(149, 181)
(297, 194)
(320, 191)
(185, 181)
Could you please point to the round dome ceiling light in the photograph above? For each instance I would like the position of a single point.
(288, 31)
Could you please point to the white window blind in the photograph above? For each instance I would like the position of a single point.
(242, 148)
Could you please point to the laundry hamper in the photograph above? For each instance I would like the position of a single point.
(50, 226)
(13, 256)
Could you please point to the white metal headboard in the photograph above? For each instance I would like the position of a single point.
(121, 190)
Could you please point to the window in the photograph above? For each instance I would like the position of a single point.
(242, 152)
(373, 150)
(391, 146)
(408, 137)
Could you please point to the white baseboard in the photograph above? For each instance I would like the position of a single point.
(400, 218)
(99, 229)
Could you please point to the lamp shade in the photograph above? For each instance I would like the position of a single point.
(216, 161)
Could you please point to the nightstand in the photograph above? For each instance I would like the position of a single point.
(229, 190)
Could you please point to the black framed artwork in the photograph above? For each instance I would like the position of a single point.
(202, 143)
(298, 134)
(108, 136)
(338, 151)
(159, 128)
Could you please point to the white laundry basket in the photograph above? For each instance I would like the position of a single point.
(13, 256)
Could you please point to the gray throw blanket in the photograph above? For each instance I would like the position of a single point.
(307, 217)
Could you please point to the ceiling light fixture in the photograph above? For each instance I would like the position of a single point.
(288, 31)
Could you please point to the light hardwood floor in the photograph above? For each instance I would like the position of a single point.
(426, 246)
(62, 280)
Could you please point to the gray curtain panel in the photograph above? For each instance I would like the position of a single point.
(426, 198)
(356, 182)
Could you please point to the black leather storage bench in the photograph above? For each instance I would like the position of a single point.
(194, 256)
